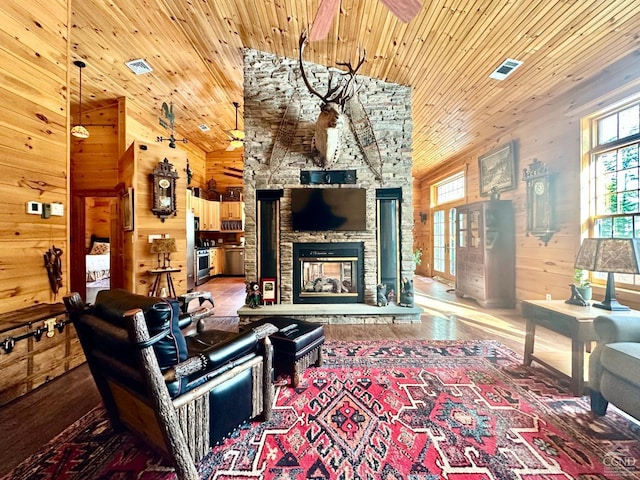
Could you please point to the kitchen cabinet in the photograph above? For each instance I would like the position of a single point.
(216, 261)
(197, 206)
(210, 216)
(232, 210)
(232, 216)
(485, 253)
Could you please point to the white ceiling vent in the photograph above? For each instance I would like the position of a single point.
(506, 69)
(139, 66)
(204, 127)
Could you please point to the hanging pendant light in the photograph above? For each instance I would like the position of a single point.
(79, 131)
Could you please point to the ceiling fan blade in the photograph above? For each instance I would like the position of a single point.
(405, 10)
(323, 19)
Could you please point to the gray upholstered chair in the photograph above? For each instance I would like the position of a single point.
(181, 393)
(614, 365)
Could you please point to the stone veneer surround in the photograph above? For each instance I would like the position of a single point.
(269, 83)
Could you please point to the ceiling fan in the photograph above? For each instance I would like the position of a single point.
(405, 10)
(236, 136)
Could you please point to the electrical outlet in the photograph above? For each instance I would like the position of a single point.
(548, 296)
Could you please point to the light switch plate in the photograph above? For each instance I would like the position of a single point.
(57, 209)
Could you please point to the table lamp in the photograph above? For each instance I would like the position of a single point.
(611, 255)
(164, 246)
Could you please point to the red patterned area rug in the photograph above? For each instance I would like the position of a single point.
(387, 410)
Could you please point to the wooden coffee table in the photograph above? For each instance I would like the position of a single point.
(573, 321)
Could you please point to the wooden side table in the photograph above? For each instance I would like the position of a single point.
(156, 283)
(572, 321)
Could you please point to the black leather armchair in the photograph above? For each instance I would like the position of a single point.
(182, 393)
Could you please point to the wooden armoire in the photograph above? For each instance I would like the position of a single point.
(485, 253)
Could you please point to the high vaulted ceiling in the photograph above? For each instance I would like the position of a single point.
(445, 54)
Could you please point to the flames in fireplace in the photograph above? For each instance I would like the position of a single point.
(328, 272)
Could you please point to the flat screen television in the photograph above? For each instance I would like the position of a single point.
(327, 209)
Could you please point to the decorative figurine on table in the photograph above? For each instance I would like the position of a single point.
(254, 295)
(576, 297)
(381, 299)
(406, 293)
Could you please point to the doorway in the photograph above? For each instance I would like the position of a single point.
(95, 243)
(444, 243)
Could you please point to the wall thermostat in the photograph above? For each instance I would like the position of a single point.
(34, 208)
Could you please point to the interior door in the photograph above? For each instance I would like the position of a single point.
(444, 243)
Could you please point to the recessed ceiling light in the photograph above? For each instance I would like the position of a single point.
(506, 69)
(204, 127)
(139, 66)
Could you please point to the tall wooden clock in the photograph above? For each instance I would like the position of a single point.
(540, 206)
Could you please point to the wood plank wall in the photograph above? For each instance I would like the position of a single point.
(33, 147)
(223, 167)
(94, 161)
(550, 133)
(132, 170)
(148, 224)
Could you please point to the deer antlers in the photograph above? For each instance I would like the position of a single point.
(340, 93)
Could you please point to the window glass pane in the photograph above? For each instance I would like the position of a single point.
(622, 227)
(606, 162)
(608, 129)
(629, 202)
(452, 241)
(629, 122)
(607, 204)
(601, 202)
(603, 227)
(636, 226)
(450, 189)
(628, 179)
(438, 240)
(629, 156)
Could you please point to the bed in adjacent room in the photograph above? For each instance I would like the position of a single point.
(98, 260)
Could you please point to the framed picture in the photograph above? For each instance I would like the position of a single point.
(498, 170)
(269, 290)
(126, 206)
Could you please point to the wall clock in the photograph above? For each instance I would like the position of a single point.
(163, 179)
(540, 208)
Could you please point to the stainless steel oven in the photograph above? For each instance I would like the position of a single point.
(203, 269)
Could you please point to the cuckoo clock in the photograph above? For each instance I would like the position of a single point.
(540, 207)
(164, 178)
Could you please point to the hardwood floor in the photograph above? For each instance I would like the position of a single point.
(32, 420)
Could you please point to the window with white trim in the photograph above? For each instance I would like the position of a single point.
(614, 177)
(449, 190)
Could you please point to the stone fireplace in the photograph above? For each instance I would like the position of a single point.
(272, 87)
(328, 272)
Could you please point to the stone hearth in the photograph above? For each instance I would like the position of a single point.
(334, 314)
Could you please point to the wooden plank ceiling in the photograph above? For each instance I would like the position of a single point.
(446, 54)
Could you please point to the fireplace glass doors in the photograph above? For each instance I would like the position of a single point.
(328, 273)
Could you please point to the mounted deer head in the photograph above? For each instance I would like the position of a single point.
(330, 122)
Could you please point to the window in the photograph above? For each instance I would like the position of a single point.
(614, 161)
(449, 190)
